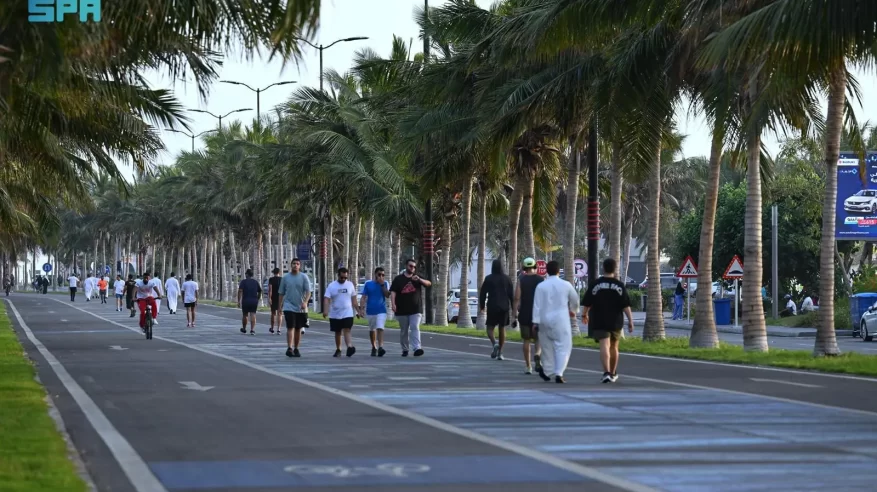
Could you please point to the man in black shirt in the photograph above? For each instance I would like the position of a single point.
(405, 294)
(130, 285)
(274, 299)
(525, 292)
(607, 302)
(249, 294)
(496, 294)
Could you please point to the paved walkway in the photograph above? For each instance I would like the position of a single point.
(211, 409)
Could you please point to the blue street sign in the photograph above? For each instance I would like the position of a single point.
(47, 267)
(303, 250)
(107, 269)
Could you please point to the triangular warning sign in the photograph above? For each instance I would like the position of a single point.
(735, 268)
(688, 269)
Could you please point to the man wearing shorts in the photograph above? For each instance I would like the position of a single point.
(525, 292)
(119, 289)
(102, 285)
(338, 303)
(249, 293)
(496, 296)
(374, 303)
(605, 304)
(274, 299)
(405, 299)
(295, 291)
(130, 286)
(190, 299)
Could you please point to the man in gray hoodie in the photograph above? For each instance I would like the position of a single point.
(496, 296)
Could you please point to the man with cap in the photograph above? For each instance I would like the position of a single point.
(524, 294)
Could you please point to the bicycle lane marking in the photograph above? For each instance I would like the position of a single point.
(138, 473)
(575, 468)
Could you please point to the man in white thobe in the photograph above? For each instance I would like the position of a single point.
(156, 281)
(89, 287)
(555, 302)
(172, 287)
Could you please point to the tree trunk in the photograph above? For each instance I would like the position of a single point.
(202, 265)
(826, 339)
(260, 257)
(625, 255)
(388, 261)
(615, 224)
(164, 269)
(464, 317)
(233, 256)
(397, 260)
(482, 256)
(516, 202)
(152, 248)
(754, 329)
(103, 253)
(181, 264)
(527, 218)
(654, 325)
(703, 331)
(271, 263)
(94, 269)
(127, 257)
(223, 290)
(357, 237)
(369, 248)
(345, 243)
(569, 226)
(441, 275)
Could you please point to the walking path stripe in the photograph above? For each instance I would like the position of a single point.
(571, 467)
(130, 462)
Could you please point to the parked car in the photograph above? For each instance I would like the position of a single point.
(862, 201)
(868, 325)
(668, 281)
(454, 305)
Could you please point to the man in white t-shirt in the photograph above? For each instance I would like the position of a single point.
(119, 289)
(159, 285)
(190, 299)
(338, 302)
(74, 283)
(172, 287)
(146, 293)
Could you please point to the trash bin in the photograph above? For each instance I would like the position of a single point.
(645, 299)
(722, 308)
(859, 304)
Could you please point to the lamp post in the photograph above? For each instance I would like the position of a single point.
(220, 117)
(323, 243)
(193, 137)
(258, 93)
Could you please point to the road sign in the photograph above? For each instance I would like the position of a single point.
(47, 267)
(735, 269)
(581, 268)
(541, 267)
(107, 269)
(688, 269)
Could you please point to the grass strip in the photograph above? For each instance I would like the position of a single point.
(33, 455)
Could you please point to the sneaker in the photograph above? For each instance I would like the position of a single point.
(154, 321)
(418, 352)
(351, 351)
(614, 377)
(374, 352)
(542, 375)
(607, 378)
(188, 325)
(528, 370)
(404, 353)
(537, 360)
(337, 353)
(253, 333)
(495, 352)
(499, 356)
(271, 330)
(381, 351)
(559, 379)
(244, 331)
(289, 352)
(296, 353)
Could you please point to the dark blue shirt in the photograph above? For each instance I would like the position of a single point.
(252, 291)
(376, 302)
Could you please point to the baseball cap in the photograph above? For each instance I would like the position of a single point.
(529, 263)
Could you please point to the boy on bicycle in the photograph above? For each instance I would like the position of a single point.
(144, 290)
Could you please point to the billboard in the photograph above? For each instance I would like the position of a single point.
(856, 214)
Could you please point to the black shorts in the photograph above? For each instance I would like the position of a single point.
(338, 324)
(612, 335)
(528, 333)
(249, 308)
(295, 320)
(497, 318)
(129, 301)
(275, 304)
(190, 304)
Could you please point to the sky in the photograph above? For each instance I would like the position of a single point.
(349, 18)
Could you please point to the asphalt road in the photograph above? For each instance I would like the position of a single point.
(207, 408)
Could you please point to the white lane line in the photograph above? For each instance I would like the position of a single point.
(780, 381)
(407, 378)
(130, 462)
(575, 468)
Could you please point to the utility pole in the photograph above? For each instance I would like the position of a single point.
(593, 204)
(193, 137)
(775, 282)
(259, 92)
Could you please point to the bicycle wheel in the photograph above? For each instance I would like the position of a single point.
(148, 322)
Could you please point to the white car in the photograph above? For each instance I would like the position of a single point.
(863, 201)
(454, 305)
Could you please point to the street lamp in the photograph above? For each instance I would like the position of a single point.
(193, 137)
(258, 92)
(220, 117)
(323, 248)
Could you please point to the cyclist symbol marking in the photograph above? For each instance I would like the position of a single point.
(395, 470)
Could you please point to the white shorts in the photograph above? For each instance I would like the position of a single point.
(376, 321)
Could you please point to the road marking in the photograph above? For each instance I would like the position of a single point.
(129, 461)
(192, 385)
(407, 378)
(780, 381)
(578, 469)
(117, 347)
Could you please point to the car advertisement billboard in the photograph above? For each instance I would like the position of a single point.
(856, 197)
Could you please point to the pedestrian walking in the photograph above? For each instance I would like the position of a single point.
(45, 285)
(525, 292)
(119, 291)
(249, 293)
(156, 280)
(172, 288)
(74, 283)
(130, 287)
(605, 304)
(555, 302)
(274, 300)
(338, 303)
(496, 297)
(190, 299)
(679, 300)
(295, 291)
(89, 287)
(374, 302)
(102, 285)
(405, 300)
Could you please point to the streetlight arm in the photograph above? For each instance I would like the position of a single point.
(357, 38)
(309, 43)
(178, 131)
(205, 112)
(236, 111)
(277, 83)
(238, 83)
(202, 133)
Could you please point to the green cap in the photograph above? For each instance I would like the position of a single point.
(529, 263)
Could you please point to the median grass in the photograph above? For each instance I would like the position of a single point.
(33, 455)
